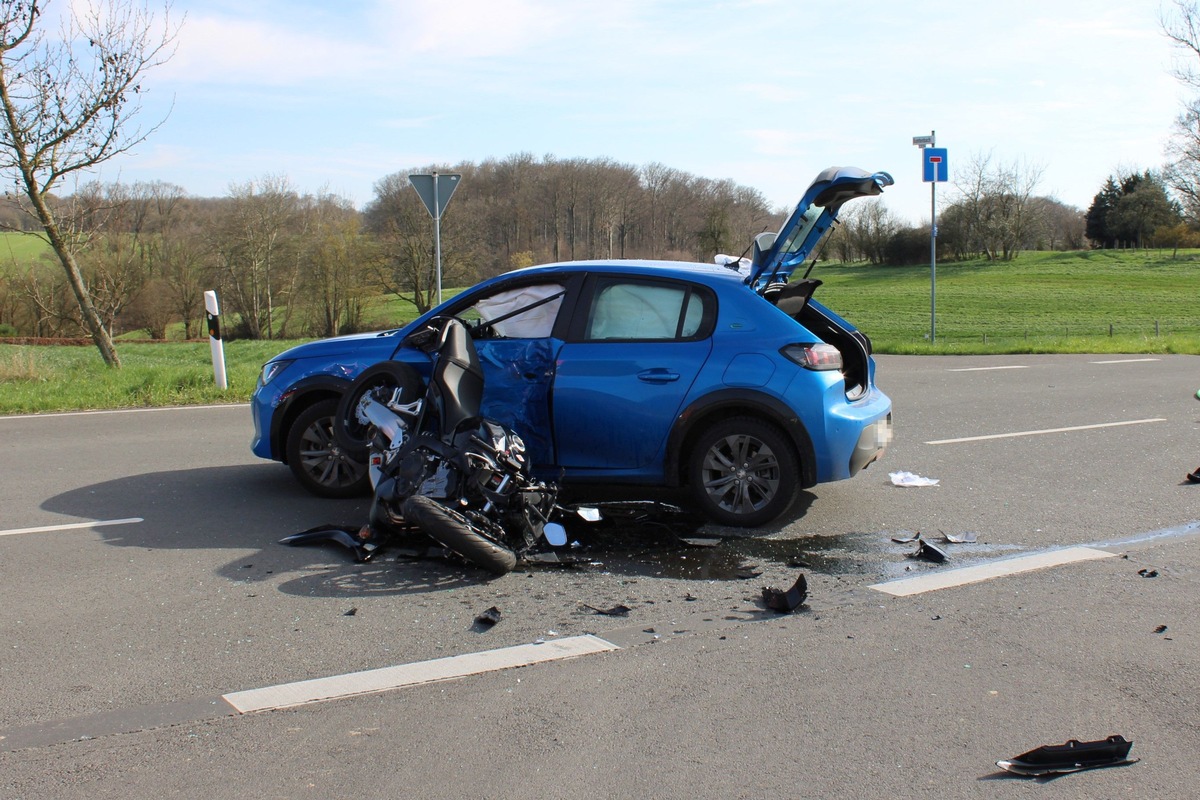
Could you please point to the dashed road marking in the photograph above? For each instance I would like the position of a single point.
(72, 526)
(378, 680)
(1015, 434)
(983, 572)
(1125, 361)
(987, 369)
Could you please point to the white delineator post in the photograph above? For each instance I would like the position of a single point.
(214, 339)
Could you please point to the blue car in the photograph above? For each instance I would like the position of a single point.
(727, 379)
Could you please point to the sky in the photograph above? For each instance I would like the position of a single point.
(766, 93)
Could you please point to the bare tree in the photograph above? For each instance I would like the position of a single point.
(992, 212)
(255, 249)
(335, 279)
(68, 105)
(1182, 172)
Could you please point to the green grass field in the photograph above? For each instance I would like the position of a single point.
(1039, 303)
(21, 248)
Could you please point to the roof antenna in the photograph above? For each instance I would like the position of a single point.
(733, 264)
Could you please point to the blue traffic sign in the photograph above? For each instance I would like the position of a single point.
(936, 168)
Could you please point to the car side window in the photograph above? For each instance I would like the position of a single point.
(644, 311)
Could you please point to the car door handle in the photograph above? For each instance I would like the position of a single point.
(658, 375)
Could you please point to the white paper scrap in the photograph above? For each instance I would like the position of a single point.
(911, 479)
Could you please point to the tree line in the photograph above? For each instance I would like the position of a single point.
(288, 264)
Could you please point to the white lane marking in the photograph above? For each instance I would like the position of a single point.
(985, 369)
(1125, 361)
(439, 669)
(72, 526)
(1047, 430)
(56, 414)
(983, 572)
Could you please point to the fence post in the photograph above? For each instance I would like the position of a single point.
(214, 339)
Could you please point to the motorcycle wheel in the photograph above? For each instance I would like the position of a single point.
(353, 436)
(454, 531)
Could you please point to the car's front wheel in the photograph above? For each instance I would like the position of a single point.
(743, 472)
(320, 464)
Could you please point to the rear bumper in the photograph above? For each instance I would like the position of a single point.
(872, 444)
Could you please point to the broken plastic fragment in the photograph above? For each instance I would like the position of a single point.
(1148, 573)
(930, 552)
(489, 618)
(1161, 629)
(963, 538)
(615, 611)
(789, 601)
(1073, 756)
(902, 539)
(911, 479)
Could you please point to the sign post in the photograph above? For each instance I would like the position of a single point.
(435, 191)
(935, 170)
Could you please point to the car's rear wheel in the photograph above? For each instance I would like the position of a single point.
(319, 463)
(743, 472)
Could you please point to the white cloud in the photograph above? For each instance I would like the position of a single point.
(226, 50)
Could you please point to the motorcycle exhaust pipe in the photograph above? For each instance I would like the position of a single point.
(383, 418)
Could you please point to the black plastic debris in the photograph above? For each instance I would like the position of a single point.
(488, 618)
(930, 552)
(785, 602)
(363, 549)
(1148, 573)
(907, 539)
(747, 573)
(353, 610)
(1194, 477)
(1161, 629)
(615, 611)
(1072, 756)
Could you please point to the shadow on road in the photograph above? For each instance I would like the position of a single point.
(251, 507)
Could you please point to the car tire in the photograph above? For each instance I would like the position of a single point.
(743, 472)
(315, 458)
(351, 435)
(455, 532)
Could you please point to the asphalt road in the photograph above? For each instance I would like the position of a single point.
(118, 641)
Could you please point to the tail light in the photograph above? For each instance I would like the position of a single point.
(819, 356)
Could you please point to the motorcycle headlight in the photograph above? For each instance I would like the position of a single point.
(271, 369)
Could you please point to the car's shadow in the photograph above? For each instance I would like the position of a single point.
(249, 508)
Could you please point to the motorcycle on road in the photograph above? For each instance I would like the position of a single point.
(438, 466)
